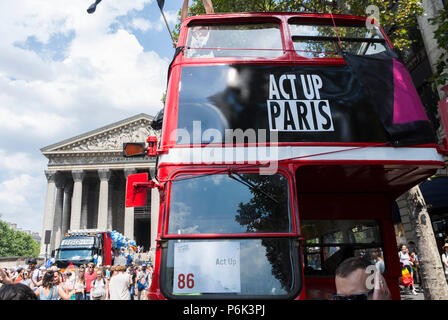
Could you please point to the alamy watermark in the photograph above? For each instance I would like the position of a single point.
(373, 13)
(229, 146)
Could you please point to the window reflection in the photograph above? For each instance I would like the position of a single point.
(318, 41)
(227, 204)
(330, 242)
(244, 40)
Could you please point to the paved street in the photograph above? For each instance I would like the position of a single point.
(410, 296)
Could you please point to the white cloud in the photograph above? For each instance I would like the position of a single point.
(22, 199)
(45, 97)
(142, 24)
(101, 75)
(20, 162)
(171, 17)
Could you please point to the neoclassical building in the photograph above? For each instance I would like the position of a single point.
(86, 186)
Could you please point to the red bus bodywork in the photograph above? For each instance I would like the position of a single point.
(325, 183)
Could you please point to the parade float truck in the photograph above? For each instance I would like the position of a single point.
(83, 246)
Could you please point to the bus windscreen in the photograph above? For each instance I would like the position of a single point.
(230, 203)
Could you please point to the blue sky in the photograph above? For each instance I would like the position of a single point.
(58, 67)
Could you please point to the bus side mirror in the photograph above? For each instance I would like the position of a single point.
(139, 149)
(137, 189)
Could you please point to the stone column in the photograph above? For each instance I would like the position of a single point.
(49, 209)
(155, 202)
(75, 219)
(85, 204)
(57, 220)
(66, 211)
(129, 212)
(103, 210)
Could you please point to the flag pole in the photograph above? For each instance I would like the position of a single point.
(161, 3)
(166, 22)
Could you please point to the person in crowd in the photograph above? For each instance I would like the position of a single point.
(98, 287)
(415, 267)
(352, 281)
(26, 278)
(50, 289)
(142, 281)
(4, 277)
(133, 275)
(18, 291)
(89, 275)
(80, 285)
(69, 281)
(445, 260)
(107, 273)
(406, 263)
(377, 259)
(412, 247)
(18, 275)
(35, 272)
(119, 284)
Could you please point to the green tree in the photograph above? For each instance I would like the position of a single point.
(16, 243)
(440, 77)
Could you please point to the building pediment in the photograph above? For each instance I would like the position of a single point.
(108, 139)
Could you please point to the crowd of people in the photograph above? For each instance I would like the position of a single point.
(85, 282)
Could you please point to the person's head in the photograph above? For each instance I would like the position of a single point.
(445, 247)
(25, 274)
(90, 268)
(352, 279)
(377, 254)
(48, 279)
(17, 291)
(120, 268)
(32, 263)
(99, 274)
(57, 277)
(403, 248)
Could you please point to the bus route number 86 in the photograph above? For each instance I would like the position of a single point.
(185, 281)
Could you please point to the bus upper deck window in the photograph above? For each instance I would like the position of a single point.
(322, 40)
(242, 40)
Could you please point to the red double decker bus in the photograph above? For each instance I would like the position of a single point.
(286, 139)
